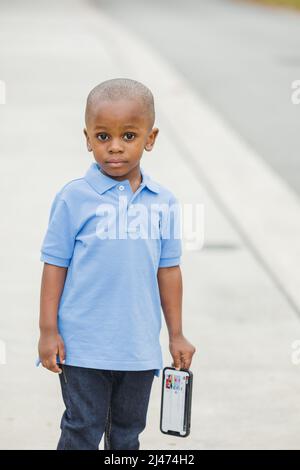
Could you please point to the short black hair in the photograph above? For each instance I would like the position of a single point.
(119, 88)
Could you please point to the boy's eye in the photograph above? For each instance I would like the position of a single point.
(131, 135)
(99, 136)
(103, 135)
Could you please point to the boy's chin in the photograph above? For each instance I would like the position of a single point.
(114, 171)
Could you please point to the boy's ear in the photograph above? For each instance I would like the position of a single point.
(152, 137)
(87, 140)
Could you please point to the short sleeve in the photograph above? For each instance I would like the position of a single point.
(58, 244)
(171, 245)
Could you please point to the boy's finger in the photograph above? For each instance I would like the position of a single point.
(55, 368)
(186, 360)
(51, 365)
(61, 352)
(177, 364)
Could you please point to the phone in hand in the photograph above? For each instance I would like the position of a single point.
(176, 401)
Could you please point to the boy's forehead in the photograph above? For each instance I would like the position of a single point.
(121, 112)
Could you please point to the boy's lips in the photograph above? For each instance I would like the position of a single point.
(115, 162)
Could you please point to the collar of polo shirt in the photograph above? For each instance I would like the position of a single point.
(102, 183)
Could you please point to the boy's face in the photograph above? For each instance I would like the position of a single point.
(117, 132)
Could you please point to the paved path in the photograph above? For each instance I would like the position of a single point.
(240, 56)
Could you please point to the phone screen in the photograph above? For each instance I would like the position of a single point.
(174, 401)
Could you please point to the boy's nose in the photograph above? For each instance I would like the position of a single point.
(115, 146)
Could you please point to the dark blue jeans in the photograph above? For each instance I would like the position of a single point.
(103, 401)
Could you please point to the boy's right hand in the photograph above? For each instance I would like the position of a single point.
(51, 345)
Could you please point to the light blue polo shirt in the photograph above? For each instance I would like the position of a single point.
(113, 241)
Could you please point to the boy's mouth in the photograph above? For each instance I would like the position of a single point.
(115, 162)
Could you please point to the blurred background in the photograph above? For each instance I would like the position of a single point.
(225, 75)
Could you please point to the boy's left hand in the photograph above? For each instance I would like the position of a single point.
(182, 352)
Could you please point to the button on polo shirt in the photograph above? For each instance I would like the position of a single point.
(109, 313)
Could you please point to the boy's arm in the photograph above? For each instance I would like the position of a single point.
(51, 343)
(170, 288)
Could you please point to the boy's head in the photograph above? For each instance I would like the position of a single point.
(119, 119)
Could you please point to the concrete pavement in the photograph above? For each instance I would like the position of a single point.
(240, 56)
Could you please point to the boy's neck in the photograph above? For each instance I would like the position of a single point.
(134, 176)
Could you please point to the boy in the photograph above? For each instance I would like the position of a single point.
(101, 291)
